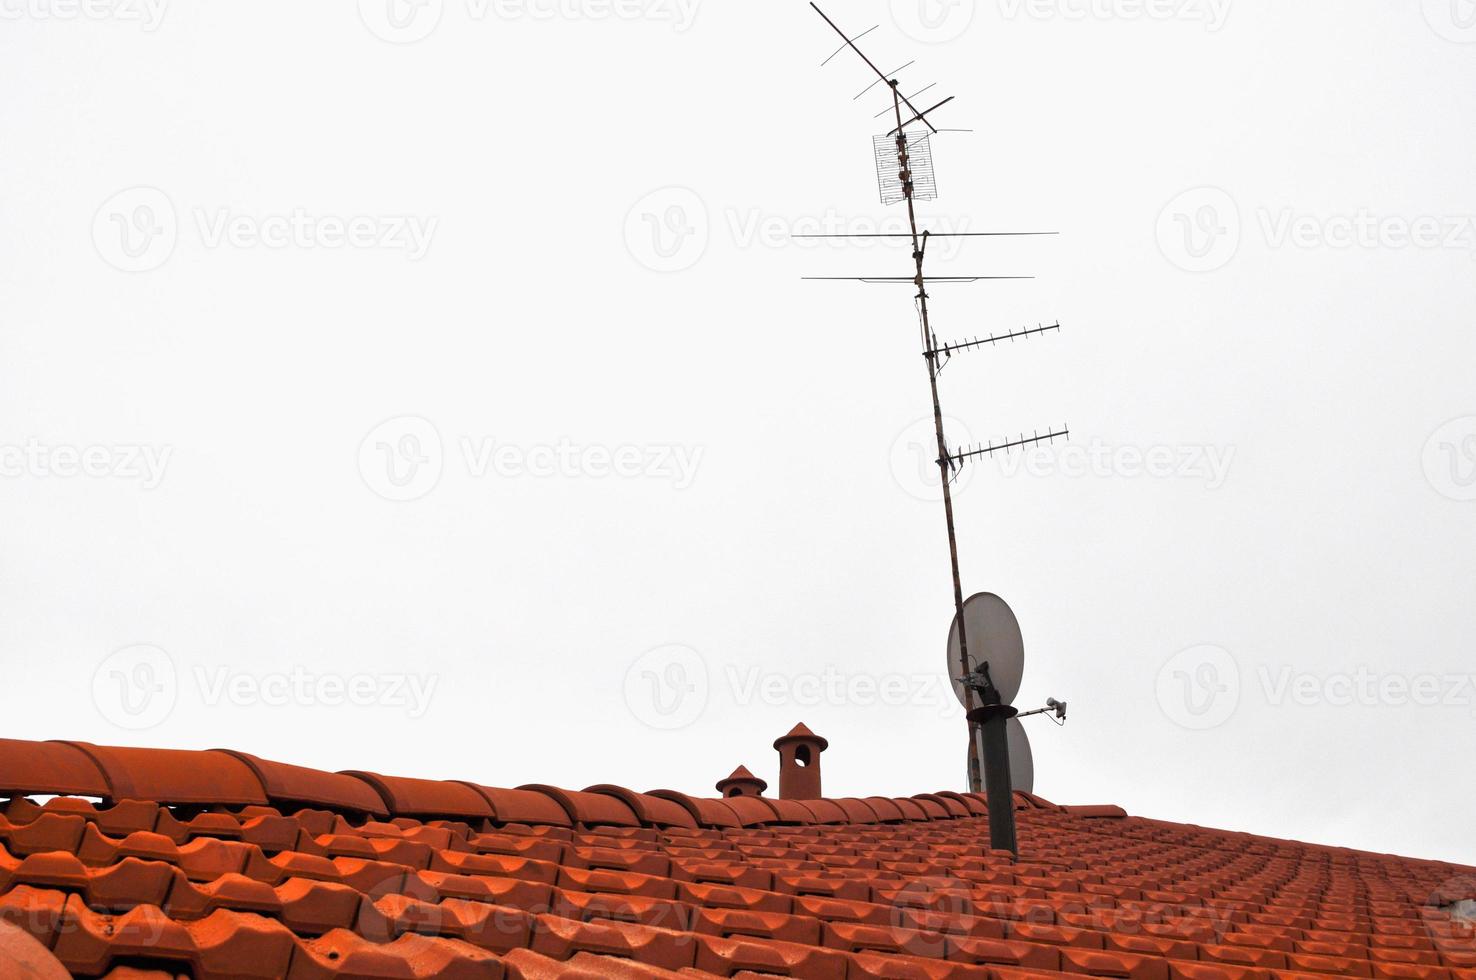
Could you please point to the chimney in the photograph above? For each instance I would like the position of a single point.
(742, 783)
(799, 764)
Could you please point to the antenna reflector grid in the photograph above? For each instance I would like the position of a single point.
(920, 159)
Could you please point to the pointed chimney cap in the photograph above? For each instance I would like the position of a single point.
(741, 776)
(801, 733)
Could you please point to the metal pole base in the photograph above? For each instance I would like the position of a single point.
(991, 720)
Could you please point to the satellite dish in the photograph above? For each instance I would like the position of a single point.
(1022, 762)
(994, 637)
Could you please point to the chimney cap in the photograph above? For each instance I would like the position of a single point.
(801, 733)
(742, 775)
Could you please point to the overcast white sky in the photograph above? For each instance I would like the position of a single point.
(433, 390)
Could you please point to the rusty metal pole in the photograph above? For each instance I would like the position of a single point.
(1000, 796)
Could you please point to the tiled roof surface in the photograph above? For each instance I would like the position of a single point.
(219, 864)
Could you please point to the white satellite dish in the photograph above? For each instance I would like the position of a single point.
(994, 638)
(1022, 762)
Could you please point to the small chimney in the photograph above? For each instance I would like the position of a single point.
(799, 764)
(742, 783)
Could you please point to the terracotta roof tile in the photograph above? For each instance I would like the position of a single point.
(295, 785)
(590, 809)
(825, 811)
(715, 814)
(859, 811)
(426, 797)
(791, 811)
(49, 768)
(219, 864)
(174, 776)
(651, 811)
(751, 811)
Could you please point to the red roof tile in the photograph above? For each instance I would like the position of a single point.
(590, 809)
(175, 776)
(523, 806)
(219, 864)
(426, 797)
(650, 811)
(296, 785)
(707, 813)
(49, 767)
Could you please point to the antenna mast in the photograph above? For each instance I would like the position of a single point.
(913, 180)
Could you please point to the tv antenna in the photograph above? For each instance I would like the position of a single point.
(905, 173)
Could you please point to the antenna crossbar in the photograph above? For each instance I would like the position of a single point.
(888, 110)
(869, 63)
(934, 234)
(848, 40)
(914, 280)
(921, 117)
(957, 459)
(948, 350)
